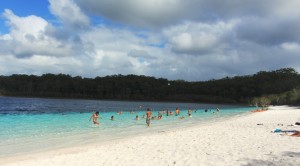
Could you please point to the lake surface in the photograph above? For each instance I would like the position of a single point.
(34, 124)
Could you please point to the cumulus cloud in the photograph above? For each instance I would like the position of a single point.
(27, 37)
(69, 13)
(119, 50)
(198, 38)
(277, 21)
(174, 39)
(38, 65)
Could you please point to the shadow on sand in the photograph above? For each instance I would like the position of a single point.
(287, 158)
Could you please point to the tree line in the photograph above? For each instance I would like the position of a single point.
(240, 89)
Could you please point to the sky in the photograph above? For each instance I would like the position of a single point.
(192, 40)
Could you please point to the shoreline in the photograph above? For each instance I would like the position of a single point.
(235, 140)
(152, 130)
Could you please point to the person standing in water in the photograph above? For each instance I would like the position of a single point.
(177, 112)
(148, 114)
(189, 112)
(95, 117)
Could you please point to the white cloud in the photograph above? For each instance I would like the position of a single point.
(69, 14)
(27, 37)
(39, 65)
(198, 38)
(291, 47)
(175, 39)
(119, 50)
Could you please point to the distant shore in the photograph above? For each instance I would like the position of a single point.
(244, 140)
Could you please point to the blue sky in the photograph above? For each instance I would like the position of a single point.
(181, 39)
(25, 8)
(28, 7)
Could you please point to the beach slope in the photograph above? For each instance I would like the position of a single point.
(244, 140)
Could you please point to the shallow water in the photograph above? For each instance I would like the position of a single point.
(33, 124)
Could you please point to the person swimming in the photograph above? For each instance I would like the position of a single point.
(137, 117)
(112, 118)
(159, 117)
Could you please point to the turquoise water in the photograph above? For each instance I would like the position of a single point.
(33, 125)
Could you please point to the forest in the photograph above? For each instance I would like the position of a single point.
(278, 87)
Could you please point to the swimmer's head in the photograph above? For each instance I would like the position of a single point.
(97, 113)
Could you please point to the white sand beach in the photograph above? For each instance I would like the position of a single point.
(235, 141)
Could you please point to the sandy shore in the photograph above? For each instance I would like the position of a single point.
(238, 141)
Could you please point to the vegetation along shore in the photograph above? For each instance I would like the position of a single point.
(272, 87)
